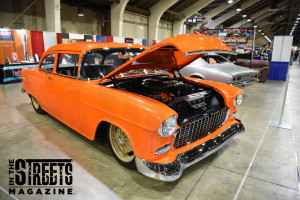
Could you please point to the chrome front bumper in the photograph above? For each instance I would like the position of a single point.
(172, 171)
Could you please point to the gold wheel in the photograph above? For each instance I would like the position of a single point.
(35, 103)
(120, 144)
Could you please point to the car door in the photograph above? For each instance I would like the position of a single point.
(63, 89)
(40, 79)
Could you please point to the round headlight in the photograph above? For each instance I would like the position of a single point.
(168, 127)
(238, 100)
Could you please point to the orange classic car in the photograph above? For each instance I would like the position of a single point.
(154, 119)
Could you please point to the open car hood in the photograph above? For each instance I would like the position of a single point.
(173, 53)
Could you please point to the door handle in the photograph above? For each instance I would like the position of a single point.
(50, 78)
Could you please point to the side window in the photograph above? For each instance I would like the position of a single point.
(48, 63)
(67, 64)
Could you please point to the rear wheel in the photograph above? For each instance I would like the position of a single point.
(121, 147)
(36, 105)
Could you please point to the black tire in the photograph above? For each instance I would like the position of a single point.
(36, 106)
(113, 145)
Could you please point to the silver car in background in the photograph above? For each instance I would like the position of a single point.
(217, 68)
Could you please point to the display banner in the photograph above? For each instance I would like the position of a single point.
(20, 45)
(88, 38)
(238, 39)
(119, 39)
(64, 37)
(144, 42)
(100, 38)
(6, 34)
(128, 40)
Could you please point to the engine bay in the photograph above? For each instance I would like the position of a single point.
(189, 100)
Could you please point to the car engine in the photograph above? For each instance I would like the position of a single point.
(189, 100)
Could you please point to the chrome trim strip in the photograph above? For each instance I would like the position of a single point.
(227, 115)
(210, 51)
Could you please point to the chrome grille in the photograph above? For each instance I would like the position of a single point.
(199, 128)
(246, 77)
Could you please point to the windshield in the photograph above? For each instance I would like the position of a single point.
(214, 59)
(96, 64)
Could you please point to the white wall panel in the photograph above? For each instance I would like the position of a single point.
(286, 48)
(282, 48)
(276, 53)
(50, 39)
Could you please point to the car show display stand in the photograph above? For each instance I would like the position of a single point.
(278, 70)
(280, 123)
(280, 57)
(12, 72)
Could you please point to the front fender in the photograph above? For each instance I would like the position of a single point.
(138, 116)
(229, 92)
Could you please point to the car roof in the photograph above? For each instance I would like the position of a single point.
(86, 46)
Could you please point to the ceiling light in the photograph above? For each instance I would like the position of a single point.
(298, 18)
(262, 33)
(255, 26)
(230, 1)
(249, 20)
(268, 38)
(244, 15)
(80, 12)
(238, 9)
(296, 22)
(259, 30)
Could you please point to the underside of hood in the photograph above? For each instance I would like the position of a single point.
(173, 53)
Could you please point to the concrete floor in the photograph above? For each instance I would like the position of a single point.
(260, 164)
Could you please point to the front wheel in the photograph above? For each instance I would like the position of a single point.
(121, 147)
(36, 105)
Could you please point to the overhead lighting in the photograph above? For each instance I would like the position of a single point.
(238, 9)
(244, 15)
(262, 33)
(268, 38)
(230, 1)
(298, 18)
(296, 22)
(80, 12)
(249, 20)
(255, 26)
(259, 30)
(292, 31)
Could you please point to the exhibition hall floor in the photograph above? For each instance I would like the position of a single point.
(259, 164)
